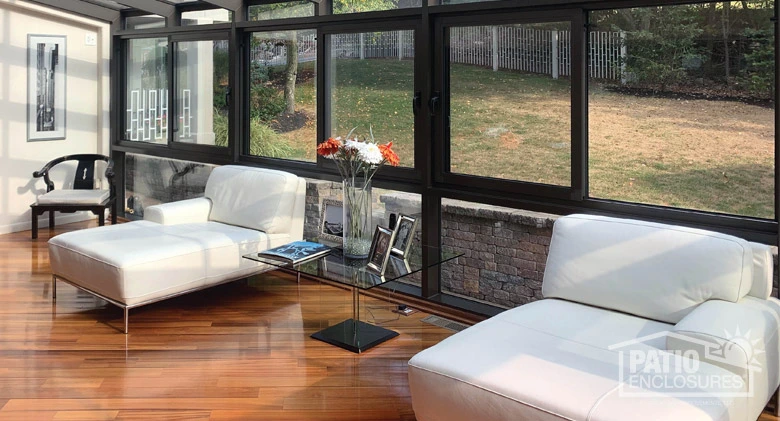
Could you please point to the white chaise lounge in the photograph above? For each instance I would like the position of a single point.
(187, 245)
(632, 310)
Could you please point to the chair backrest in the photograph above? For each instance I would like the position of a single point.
(656, 271)
(84, 177)
(256, 198)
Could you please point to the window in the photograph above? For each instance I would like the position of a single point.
(372, 85)
(150, 181)
(206, 17)
(353, 6)
(146, 95)
(510, 102)
(282, 95)
(293, 9)
(681, 107)
(202, 71)
(144, 22)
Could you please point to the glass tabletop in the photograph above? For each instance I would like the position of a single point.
(354, 272)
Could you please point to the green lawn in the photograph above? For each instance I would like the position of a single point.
(700, 154)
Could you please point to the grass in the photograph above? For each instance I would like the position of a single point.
(699, 154)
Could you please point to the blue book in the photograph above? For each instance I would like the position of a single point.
(296, 252)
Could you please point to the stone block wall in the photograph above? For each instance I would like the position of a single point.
(505, 251)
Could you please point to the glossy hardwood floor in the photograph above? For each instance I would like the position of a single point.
(240, 351)
(235, 352)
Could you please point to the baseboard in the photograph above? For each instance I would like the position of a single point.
(43, 222)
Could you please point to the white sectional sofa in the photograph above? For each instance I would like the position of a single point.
(640, 321)
(187, 245)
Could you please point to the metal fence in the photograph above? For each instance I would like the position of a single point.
(500, 47)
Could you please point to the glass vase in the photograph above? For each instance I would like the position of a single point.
(358, 230)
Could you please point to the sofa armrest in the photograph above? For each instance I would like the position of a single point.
(181, 212)
(739, 337)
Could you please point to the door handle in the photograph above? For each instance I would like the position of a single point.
(434, 103)
(416, 102)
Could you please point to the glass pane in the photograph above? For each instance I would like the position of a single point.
(293, 9)
(282, 95)
(510, 102)
(146, 101)
(356, 6)
(144, 22)
(681, 107)
(150, 181)
(462, 1)
(372, 85)
(206, 17)
(202, 71)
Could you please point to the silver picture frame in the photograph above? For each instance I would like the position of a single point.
(46, 87)
(380, 249)
(404, 236)
(332, 221)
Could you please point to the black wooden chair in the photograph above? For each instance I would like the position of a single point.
(83, 196)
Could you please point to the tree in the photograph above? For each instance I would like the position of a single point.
(291, 72)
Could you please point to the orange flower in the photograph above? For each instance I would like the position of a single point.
(329, 147)
(389, 155)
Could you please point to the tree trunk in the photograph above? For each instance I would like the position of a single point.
(726, 56)
(291, 73)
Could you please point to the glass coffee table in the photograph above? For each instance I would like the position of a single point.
(353, 334)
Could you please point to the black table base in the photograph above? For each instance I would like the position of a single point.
(354, 335)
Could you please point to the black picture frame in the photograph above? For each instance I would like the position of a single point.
(380, 249)
(403, 236)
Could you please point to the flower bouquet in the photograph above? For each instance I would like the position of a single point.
(357, 161)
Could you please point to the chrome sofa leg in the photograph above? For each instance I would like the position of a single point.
(54, 288)
(777, 402)
(127, 310)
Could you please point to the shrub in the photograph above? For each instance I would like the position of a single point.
(759, 74)
(263, 141)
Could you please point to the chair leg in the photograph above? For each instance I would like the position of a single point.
(34, 224)
(51, 220)
(102, 217)
(54, 288)
(114, 208)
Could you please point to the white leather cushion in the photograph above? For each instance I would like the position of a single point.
(80, 197)
(180, 212)
(546, 360)
(661, 272)
(763, 267)
(141, 261)
(254, 198)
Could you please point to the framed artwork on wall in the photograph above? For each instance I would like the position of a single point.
(46, 58)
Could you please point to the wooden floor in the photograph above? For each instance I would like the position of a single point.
(235, 352)
(240, 351)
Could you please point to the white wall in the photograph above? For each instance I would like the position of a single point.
(87, 93)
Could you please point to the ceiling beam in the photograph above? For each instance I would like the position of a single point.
(155, 7)
(233, 5)
(81, 8)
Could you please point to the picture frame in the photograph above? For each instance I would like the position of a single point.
(332, 221)
(399, 266)
(404, 235)
(380, 249)
(46, 79)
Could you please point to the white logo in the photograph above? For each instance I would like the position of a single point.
(685, 365)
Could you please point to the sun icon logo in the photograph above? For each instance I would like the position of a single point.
(739, 347)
